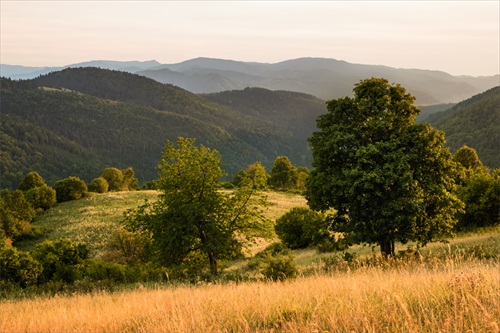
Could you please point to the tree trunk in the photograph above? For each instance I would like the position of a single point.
(213, 263)
(387, 247)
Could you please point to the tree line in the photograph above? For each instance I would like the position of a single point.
(377, 178)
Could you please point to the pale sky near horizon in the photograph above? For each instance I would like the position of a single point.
(458, 37)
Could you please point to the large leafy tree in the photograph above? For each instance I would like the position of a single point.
(192, 217)
(388, 178)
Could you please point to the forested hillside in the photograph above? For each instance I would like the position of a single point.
(78, 121)
(474, 122)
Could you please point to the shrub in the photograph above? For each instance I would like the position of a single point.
(99, 185)
(301, 227)
(481, 195)
(279, 268)
(31, 180)
(104, 271)
(127, 247)
(18, 267)
(129, 183)
(60, 259)
(114, 177)
(16, 213)
(42, 197)
(71, 188)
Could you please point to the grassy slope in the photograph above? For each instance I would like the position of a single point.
(454, 288)
(93, 219)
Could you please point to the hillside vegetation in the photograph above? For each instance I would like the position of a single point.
(92, 118)
(474, 122)
(80, 120)
(94, 219)
(452, 287)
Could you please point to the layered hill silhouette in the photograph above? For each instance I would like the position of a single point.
(78, 121)
(320, 77)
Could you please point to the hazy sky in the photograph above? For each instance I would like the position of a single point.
(461, 37)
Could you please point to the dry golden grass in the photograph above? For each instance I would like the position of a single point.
(414, 299)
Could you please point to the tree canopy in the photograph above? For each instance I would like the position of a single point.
(192, 218)
(388, 178)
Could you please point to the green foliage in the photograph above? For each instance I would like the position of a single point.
(18, 268)
(467, 157)
(42, 197)
(31, 180)
(114, 177)
(128, 248)
(301, 227)
(389, 178)
(254, 175)
(279, 268)
(474, 122)
(60, 259)
(71, 188)
(480, 193)
(191, 215)
(16, 213)
(130, 183)
(283, 175)
(99, 185)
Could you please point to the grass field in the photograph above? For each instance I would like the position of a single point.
(453, 287)
(92, 220)
(444, 298)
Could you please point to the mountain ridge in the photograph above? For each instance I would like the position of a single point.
(325, 78)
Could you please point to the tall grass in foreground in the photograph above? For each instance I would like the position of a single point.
(448, 297)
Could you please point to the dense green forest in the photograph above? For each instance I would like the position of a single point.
(79, 121)
(474, 122)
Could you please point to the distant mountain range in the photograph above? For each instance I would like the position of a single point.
(323, 78)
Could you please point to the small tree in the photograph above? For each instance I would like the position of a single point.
(283, 175)
(31, 180)
(114, 177)
(16, 213)
(480, 193)
(18, 267)
(130, 183)
(389, 178)
(42, 197)
(99, 185)
(254, 175)
(60, 259)
(71, 188)
(192, 218)
(467, 157)
(301, 227)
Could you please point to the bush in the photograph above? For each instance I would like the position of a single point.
(114, 177)
(279, 268)
(71, 188)
(301, 227)
(18, 268)
(127, 247)
(481, 196)
(42, 197)
(31, 180)
(99, 185)
(16, 213)
(60, 259)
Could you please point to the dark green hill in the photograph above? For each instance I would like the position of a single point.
(79, 121)
(474, 122)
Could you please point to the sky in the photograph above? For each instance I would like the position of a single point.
(458, 37)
